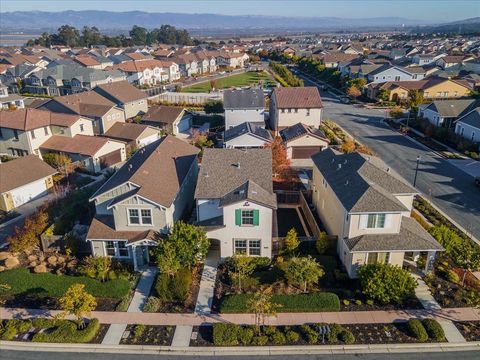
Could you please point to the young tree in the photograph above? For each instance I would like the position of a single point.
(353, 92)
(396, 112)
(97, 267)
(280, 162)
(359, 83)
(348, 147)
(242, 266)
(383, 95)
(322, 244)
(386, 283)
(415, 98)
(291, 241)
(262, 306)
(167, 259)
(468, 257)
(302, 271)
(28, 236)
(60, 162)
(200, 139)
(77, 302)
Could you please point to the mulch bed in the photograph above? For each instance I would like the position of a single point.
(364, 334)
(469, 329)
(50, 303)
(448, 294)
(152, 335)
(101, 334)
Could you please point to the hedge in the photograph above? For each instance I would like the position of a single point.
(416, 330)
(434, 329)
(315, 302)
(66, 331)
(22, 281)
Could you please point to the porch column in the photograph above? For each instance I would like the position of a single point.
(416, 255)
(429, 262)
(134, 253)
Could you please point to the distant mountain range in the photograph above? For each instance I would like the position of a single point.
(110, 20)
(467, 26)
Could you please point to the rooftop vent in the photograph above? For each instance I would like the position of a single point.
(206, 174)
(339, 166)
(346, 182)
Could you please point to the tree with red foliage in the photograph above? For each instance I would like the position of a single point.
(280, 162)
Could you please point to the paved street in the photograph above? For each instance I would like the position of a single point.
(451, 189)
(36, 355)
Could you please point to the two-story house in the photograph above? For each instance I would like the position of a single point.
(388, 72)
(360, 200)
(235, 200)
(143, 199)
(245, 105)
(10, 101)
(292, 105)
(444, 113)
(149, 72)
(23, 131)
(133, 101)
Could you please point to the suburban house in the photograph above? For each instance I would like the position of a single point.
(22, 180)
(144, 198)
(303, 141)
(333, 60)
(89, 104)
(245, 105)
(361, 201)
(235, 201)
(149, 72)
(289, 106)
(10, 101)
(388, 72)
(246, 135)
(468, 126)
(23, 131)
(88, 62)
(93, 153)
(231, 60)
(172, 119)
(444, 113)
(134, 135)
(430, 88)
(452, 60)
(132, 100)
(187, 64)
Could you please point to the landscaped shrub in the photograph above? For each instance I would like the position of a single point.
(138, 331)
(66, 331)
(434, 329)
(309, 334)
(260, 340)
(226, 334)
(152, 305)
(292, 337)
(8, 332)
(278, 338)
(417, 330)
(269, 330)
(452, 276)
(13, 327)
(245, 336)
(369, 302)
(181, 284)
(335, 330)
(315, 302)
(22, 281)
(347, 337)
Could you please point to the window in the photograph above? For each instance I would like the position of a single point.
(247, 217)
(146, 216)
(133, 217)
(296, 111)
(378, 258)
(45, 129)
(376, 221)
(254, 247)
(473, 135)
(289, 110)
(110, 248)
(122, 249)
(240, 246)
(308, 112)
(32, 134)
(15, 134)
(82, 129)
(1, 134)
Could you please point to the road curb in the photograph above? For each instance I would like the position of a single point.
(254, 350)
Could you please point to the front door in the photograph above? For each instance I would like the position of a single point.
(142, 255)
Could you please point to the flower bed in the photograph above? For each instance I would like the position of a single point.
(149, 335)
(469, 329)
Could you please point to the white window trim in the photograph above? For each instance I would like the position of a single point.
(248, 246)
(139, 216)
(116, 248)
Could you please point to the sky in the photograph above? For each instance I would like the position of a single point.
(441, 10)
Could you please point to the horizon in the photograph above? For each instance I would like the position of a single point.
(443, 11)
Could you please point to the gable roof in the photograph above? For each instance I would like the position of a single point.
(361, 183)
(158, 169)
(298, 130)
(87, 103)
(122, 91)
(243, 99)
(226, 172)
(453, 108)
(23, 171)
(254, 129)
(163, 114)
(127, 131)
(472, 118)
(297, 97)
(79, 144)
(29, 119)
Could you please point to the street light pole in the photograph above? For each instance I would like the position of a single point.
(416, 171)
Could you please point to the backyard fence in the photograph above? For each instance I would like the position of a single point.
(187, 98)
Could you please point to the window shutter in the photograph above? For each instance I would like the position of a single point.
(256, 217)
(238, 217)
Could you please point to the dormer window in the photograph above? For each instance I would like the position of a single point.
(376, 221)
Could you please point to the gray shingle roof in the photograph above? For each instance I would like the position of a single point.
(472, 118)
(248, 128)
(299, 130)
(226, 172)
(243, 99)
(86, 75)
(361, 183)
(453, 108)
(412, 237)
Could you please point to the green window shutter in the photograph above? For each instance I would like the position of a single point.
(238, 217)
(256, 217)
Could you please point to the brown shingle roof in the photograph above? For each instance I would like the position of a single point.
(23, 171)
(297, 97)
(87, 103)
(123, 91)
(103, 228)
(86, 60)
(79, 144)
(163, 114)
(140, 65)
(29, 119)
(126, 131)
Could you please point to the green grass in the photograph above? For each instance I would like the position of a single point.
(245, 79)
(316, 302)
(22, 281)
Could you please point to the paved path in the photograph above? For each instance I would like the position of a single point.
(115, 331)
(181, 337)
(344, 317)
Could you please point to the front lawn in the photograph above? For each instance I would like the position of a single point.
(314, 302)
(23, 284)
(249, 78)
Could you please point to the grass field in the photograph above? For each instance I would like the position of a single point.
(245, 79)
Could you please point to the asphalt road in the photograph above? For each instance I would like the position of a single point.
(445, 185)
(26, 355)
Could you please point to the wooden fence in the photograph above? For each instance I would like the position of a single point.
(187, 98)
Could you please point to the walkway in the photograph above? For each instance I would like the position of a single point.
(203, 307)
(118, 327)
